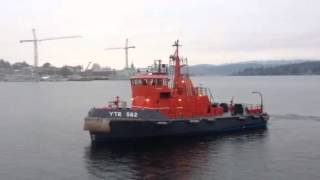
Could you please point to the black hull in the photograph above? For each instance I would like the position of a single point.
(133, 130)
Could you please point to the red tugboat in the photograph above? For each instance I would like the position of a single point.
(161, 108)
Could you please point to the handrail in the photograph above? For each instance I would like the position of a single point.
(205, 91)
(211, 96)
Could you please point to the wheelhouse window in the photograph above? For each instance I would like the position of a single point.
(135, 82)
(160, 82)
(149, 82)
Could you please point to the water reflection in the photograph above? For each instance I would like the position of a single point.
(191, 158)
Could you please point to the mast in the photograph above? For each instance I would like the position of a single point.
(126, 49)
(177, 67)
(35, 46)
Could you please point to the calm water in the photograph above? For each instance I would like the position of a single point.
(41, 134)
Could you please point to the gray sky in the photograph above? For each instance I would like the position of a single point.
(212, 31)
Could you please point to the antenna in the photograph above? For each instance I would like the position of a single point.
(35, 41)
(126, 48)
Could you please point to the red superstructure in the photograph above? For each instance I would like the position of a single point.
(180, 99)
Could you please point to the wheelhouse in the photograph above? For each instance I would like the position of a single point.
(150, 91)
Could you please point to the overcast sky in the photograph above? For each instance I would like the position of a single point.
(211, 31)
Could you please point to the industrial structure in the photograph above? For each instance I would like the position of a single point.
(126, 48)
(35, 42)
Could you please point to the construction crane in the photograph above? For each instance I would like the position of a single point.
(126, 48)
(35, 41)
(88, 66)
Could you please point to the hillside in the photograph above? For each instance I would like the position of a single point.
(304, 68)
(230, 69)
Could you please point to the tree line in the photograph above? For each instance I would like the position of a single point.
(46, 69)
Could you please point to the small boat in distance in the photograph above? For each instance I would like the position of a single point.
(161, 108)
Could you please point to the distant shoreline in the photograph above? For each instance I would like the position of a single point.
(304, 68)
